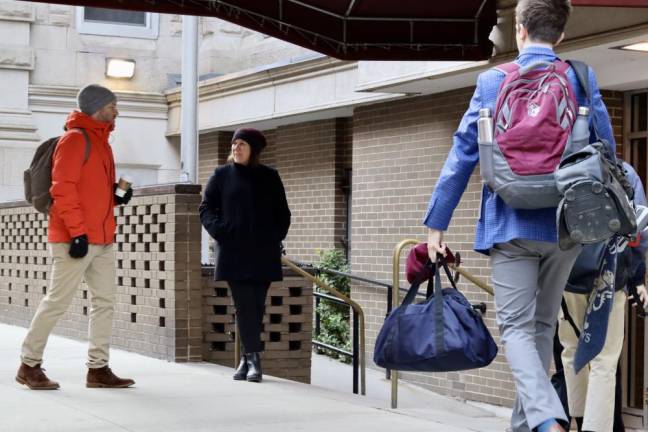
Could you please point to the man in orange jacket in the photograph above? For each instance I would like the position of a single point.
(80, 235)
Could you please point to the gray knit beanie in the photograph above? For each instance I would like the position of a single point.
(93, 97)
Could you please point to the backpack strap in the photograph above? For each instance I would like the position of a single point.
(562, 66)
(581, 70)
(568, 317)
(88, 146)
(582, 74)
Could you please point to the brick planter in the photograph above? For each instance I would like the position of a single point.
(287, 326)
(157, 310)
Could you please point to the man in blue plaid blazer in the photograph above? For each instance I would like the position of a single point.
(529, 271)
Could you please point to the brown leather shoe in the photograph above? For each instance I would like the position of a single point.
(35, 378)
(105, 378)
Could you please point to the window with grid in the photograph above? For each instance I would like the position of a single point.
(115, 22)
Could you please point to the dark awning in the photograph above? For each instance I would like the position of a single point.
(611, 3)
(349, 29)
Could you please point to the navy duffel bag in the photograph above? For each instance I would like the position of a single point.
(442, 334)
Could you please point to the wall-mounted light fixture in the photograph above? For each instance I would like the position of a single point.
(120, 68)
(640, 46)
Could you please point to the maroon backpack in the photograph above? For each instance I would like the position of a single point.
(532, 123)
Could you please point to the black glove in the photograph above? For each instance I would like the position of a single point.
(79, 246)
(126, 198)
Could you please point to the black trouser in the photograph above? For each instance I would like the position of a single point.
(249, 300)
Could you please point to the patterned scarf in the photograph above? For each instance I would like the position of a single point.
(595, 326)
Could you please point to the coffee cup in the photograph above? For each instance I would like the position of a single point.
(124, 183)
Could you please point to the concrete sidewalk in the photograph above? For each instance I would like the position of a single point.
(203, 397)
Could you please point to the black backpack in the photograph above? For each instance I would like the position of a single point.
(37, 179)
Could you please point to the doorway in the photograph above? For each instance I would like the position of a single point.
(635, 376)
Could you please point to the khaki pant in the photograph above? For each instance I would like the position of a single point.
(98, 267)
(591, 392)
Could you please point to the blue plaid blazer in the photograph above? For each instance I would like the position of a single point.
(499, 223)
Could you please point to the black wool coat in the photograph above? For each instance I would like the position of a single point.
(245, 210)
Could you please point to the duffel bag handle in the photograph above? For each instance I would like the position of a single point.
(422, 277)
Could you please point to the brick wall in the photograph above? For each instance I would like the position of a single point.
(287, 326)
(213, 149)
(344, 177)
(157, 310)
(614, 103)
(398, 152)
(311, 160)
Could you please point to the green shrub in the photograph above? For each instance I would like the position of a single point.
(334, 318)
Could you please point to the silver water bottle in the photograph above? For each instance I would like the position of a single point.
(581, 131)
(485, 127)
(485, 144)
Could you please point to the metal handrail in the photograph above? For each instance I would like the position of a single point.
(480, 283)
(395, 300)
(319, 296)
(353, 277)
(355, 306)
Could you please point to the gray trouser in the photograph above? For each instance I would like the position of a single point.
(529, 278)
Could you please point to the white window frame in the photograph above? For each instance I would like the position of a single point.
(149, 31)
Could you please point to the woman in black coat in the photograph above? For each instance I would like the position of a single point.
(244, 209)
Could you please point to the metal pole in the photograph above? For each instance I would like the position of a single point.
(388, 371)
(395, 303)
(389, 309)
(356, 351)
(237, 344)
(189, 114)
(318, 319)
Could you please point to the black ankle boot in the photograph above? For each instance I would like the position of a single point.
(254, 373)
(241, 370)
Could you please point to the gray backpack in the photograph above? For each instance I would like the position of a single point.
(597, 196)
(37, 179)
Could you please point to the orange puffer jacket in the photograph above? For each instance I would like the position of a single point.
(82, 192)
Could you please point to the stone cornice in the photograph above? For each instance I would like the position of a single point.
(63, 99)
(17, 11)
(16, 57)
(271, 75)
(17, 125)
